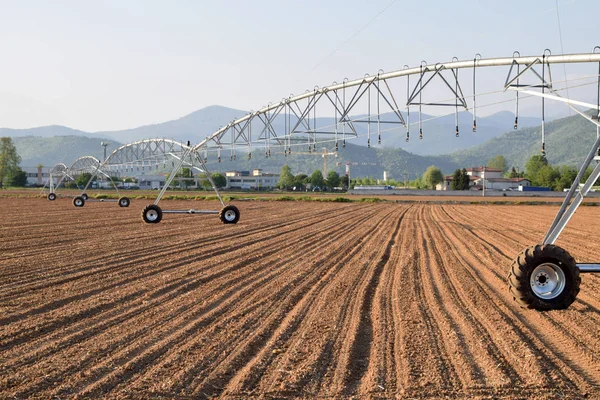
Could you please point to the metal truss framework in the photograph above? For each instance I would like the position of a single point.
(149, 155)
(372, 94)
(59, 171)
(294, 120)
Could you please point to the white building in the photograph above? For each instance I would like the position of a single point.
(251, 181)
(38, 176)
(148, 182)
(491, 177)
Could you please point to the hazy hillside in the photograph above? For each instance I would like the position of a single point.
(193, 127)
(568, 140)
(49, 151)
(438, 132)
(45, 131)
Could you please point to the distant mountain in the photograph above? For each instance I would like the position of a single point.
(568, 140)
(49, 151)
(45, 131)
(193, 127)
(439, 133)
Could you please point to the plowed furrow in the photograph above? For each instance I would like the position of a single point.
(100, 385)
(186, 284)
(110, 269)
(143, 253)
(299, 282)
(564, 374)
(205, 386)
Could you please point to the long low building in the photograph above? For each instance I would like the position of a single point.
(256, 180)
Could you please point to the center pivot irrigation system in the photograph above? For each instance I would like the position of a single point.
(542, 277)
(86, 164)
(151, 155)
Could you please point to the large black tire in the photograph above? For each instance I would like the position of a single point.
(124, 202)
(152, 214)
(84, 196)
(229, 215)
(544, 277)
(51, 196)
(78, 201)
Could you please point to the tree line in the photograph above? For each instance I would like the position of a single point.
(289, 181)
(10, 172)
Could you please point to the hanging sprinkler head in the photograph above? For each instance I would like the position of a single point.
(474, 126)
(420, 133)
(516, 126)
(456, 130)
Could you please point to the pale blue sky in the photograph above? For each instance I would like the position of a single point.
(105, 65)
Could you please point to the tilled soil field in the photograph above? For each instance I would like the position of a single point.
(299, 299)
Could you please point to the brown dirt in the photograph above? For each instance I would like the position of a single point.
(299, 299)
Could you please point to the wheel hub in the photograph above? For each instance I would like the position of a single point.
(151, 215)
(547, 281)
(230, 215)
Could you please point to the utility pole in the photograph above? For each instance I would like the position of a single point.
(483, 179)
(104, 144)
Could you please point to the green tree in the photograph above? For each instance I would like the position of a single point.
(219, 179)
(466, 181)
(316, 179)
(457, 180)
(9, 159)
(587, 174)
(333, 179)
(286, 179)
(300, 181)
(432, 176)
(566, 178)
(17, 178)
(546, 176)
(344, 181)
(515, 174)
(534, 164)
(83, 179)
(182, 178)
(498, 162)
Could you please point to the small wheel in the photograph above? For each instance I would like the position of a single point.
(51, 196)
(84, 196)
(124, 202)
(78, 201)
(544, 277)
(152, 214)
(229, 215)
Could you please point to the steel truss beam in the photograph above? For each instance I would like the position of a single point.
(577, 192)
(148, 153)
(265, 129)
(59, 171)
